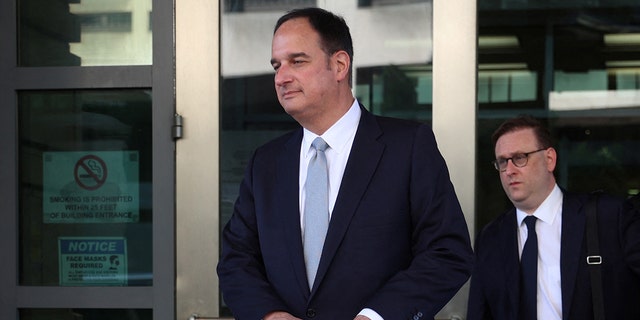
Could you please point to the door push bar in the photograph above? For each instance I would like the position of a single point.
(196, 316)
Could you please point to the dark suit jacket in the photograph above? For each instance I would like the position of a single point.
(495, 280)
(397, 241)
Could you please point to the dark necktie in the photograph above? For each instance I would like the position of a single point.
(316, 209)
(529, 272)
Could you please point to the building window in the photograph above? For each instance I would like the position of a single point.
(106, 22)
(372, 3)
(575, 65)
(265, 5)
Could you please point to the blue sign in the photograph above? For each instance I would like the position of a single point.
(93, 261)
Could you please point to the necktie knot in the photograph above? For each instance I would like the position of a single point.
(319, 144)
(530, 221)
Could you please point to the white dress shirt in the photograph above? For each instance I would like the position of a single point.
(340, 139)
(548, 229)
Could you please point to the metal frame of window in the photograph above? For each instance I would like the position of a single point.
(159, 77)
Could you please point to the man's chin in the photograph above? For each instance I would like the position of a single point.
(516, 198)
(291, 109)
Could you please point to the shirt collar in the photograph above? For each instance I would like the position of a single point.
(338, 135)
(548, 210)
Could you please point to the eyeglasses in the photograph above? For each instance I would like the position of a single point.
(519, 160)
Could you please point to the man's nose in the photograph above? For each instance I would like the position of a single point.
(510, 167)
(282, 76)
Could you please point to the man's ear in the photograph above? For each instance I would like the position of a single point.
(342, 63)
(551, 156)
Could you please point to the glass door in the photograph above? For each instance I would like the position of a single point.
(88, 165)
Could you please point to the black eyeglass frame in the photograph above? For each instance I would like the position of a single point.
(519, 160)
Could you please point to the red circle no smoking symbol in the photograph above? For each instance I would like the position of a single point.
(90, 172)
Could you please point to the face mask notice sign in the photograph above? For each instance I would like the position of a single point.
(93, 261)
(90, 187)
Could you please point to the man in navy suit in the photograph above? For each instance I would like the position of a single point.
(526, 161)
(397, 245)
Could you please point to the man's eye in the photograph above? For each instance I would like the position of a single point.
(519, 157)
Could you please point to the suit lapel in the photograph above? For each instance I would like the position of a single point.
(365, 154)
(511, 260)
(573, 222)
(287, 184)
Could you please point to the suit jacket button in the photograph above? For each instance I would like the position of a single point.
(311, 313)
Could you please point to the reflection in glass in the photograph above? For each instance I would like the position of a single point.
(397, 91)
(577, 66)
(84, 33)
(86, 314)
(85, 188)
(262, 5)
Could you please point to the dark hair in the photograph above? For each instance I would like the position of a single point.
(333, 30)
(524, 122)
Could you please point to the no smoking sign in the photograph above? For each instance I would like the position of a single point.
(91, 187)
(90, 172)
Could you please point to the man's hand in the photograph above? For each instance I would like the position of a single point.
(280, 315)
(359, 317)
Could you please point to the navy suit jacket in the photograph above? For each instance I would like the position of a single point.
(397, 241)
(494, 288)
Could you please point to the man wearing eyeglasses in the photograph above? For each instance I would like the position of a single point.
(531, 261)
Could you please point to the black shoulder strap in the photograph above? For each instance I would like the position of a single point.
(593, 256)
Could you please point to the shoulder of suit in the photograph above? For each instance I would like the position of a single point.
(294, 137)
(505, 220)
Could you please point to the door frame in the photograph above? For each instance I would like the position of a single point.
(197, 158)
(160, 78)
